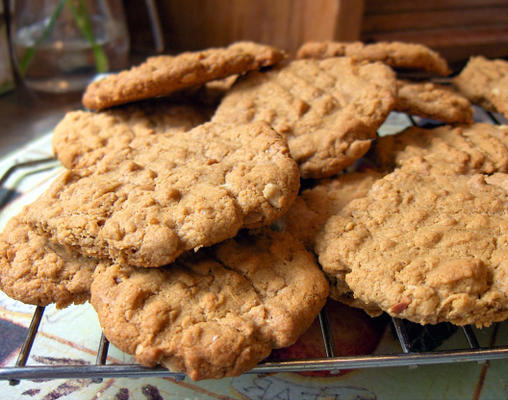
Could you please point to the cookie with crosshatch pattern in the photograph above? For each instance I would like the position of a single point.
(425, 247)
(430, 100)
(83, 138)
(329, 110)
(216, 313)
(166, 194)
(162, 75)
(395, 54)
(468, 149)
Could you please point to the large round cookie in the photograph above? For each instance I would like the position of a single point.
(395, 54)
(35, 272)
(214, 314)
(83, 138)
(329, 110)
(461, 150)
(162, 75)
(425, 247)
(166, 194)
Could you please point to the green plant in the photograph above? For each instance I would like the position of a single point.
(82, 19)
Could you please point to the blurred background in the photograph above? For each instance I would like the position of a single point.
(84, 37)
(456, 28)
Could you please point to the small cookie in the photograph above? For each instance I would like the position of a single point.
(162, 75)
(329, 110)
(166, 194)
(216, 313)
(433, 101)
(35, 272)
(485, 82)
(395, 54)
(83, 138)
(425, 247)
(313, 207)
(461, 150)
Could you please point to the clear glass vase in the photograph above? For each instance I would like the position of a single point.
(60, 45)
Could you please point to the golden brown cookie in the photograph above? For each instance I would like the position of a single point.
(36, 272)
(461, 150)
(425, 247)
(395, 54)
(166, 194)
(429, 100)
(162, 75)
(216, 313)
(83, 138)
(329, 110)
(485, 82)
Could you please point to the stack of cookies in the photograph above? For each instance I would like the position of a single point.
(180, 215)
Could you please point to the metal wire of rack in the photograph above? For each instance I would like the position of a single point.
(408, 357)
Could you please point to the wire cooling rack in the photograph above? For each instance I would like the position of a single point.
(408, 356)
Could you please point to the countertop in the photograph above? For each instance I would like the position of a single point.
(26, 115)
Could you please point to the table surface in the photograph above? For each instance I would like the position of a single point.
(26, 115)
(71, 335)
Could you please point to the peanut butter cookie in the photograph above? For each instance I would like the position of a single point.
(425, 247)
(329, 110)
(82, 138)
(433, 101)
(215, 313)
(461, 150)
(36, 272)
(485, 82)
(162, 75)
(395, 54)
(165, 194)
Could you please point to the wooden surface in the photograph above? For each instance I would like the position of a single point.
(197, 24)
(387, 6)
(348, 22)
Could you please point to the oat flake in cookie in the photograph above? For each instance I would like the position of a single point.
(329, 110)
(162, 75)
(428, 248)
(215, 313)
(35, 272)
(166, 194)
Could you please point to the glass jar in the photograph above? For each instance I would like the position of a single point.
(60, 45)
